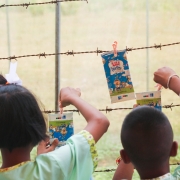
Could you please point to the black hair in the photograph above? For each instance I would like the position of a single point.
(147, 137)
(21, 120)
(3, 81)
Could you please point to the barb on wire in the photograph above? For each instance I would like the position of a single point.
(70, 53)
(97, 51)
(42, 54)
(128, 49)
(12, 57)
(109, 109)
(55, 2)
(3, 5)
(157, 46)
(26, 5)
(42, 3)
(168, 106)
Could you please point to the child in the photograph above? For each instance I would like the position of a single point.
(43, 146)
(147, 139)
(167, 78)
(22, 127)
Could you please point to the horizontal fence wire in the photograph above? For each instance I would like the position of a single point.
(26, 5)
(97, 51)
(113, 169)
(105, 170)
(114, 109)
(108, 109)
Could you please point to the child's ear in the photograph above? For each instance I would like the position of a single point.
(174, 149)
(124, 156)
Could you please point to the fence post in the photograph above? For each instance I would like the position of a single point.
(57, 57)
(147, 44)
(8, 31)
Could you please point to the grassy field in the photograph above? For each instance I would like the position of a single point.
(84, 27)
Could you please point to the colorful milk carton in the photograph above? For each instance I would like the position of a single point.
(118, 76)
(152, 99)
(61, 127)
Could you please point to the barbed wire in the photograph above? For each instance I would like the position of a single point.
(112, 109)
(97, 51)
(108, 109)
(113, 169)
(105, 170)
(26, 5)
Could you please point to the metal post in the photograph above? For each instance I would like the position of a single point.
(57, 57)
(8, 36)
(147, 44)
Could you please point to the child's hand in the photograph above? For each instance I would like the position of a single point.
(45, 147)
(159, 87)
(161, 75)
(135, 105)
(66, 94)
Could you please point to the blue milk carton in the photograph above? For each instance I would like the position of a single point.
(118, 76)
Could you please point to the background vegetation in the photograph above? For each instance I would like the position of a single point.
(85, 27)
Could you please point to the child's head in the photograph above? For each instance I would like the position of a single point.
(21, 120)
(147, 138)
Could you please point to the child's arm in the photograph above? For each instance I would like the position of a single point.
(161, 76)
(97, 123)
(123, 171)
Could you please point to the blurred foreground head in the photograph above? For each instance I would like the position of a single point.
(147, 138)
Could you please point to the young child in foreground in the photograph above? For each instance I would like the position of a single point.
(22, 126)
(147, 138)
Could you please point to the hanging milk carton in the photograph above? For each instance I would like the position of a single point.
(152, 99)
(60, 127)
(118, 76)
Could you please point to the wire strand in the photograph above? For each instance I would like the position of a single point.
(26, 5)
(108, 109)
(97, 51)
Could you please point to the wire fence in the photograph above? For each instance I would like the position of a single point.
(97, 51)
(109, 109)
(114, 109)
(113, 169)
(26, 5)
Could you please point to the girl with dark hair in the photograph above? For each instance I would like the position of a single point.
(22, 127)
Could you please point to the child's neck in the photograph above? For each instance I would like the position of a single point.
(16, 156)
(154, 173)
